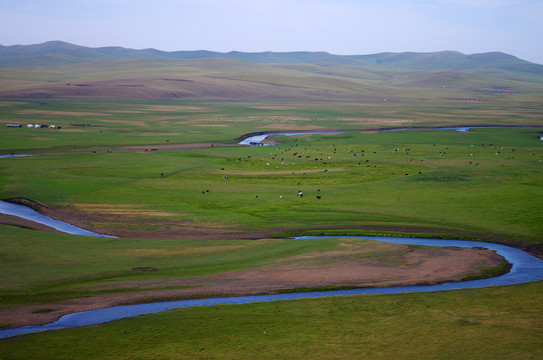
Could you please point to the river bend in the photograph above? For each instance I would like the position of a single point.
(525, 268)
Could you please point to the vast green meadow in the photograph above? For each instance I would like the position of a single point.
(483, 184)
(162, 173)
(92, 125)
(491, 323)
(47, 267)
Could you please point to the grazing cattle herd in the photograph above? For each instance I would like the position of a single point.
(324, 158)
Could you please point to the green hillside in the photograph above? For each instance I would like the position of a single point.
(143, 145)
(440, 59)
(228, 79)
(60, 70)
(56, 53)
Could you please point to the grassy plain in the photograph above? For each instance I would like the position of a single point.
(480, 184)
(45, 268)
(100, 125)
(60, 266)
(491, 323)
(484, 184)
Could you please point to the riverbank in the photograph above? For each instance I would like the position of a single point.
(260, 136)
(420, 266)
(326, 270)
(180, 231)
(118, 215)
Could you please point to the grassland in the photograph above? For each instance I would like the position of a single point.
(213, 207)
(229, 79)
(425, 181)
(98, 125)
(492, 323)
(60, 267)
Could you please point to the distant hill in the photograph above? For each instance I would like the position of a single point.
(61, 53)
(58, 69)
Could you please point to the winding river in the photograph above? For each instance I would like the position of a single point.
(525, 268)
(257, 138)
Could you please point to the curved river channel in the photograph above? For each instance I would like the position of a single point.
(258, 138)
(525, 268)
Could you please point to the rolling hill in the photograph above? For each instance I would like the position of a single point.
(61, 70)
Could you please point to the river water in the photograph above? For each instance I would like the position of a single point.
(526, 268)
(261, 137)
(32, 215)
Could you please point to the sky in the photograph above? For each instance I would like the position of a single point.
(342, 27)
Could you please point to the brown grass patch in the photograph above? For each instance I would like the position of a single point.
(293, 126)
(155, 118)
(59, 113)
(9, 103)
(210, 125)
(192, 251)
(382, 265)
(172, 108)
(274, 120)
(7, 84)
(274, 107)
(198, 120)
(146, 133)
(380, 121)
(344, 253)
(127, 122)
(135, 111)
(123, 210)
(41, 138)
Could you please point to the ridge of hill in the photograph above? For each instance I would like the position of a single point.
(61, 70)
(53, 53)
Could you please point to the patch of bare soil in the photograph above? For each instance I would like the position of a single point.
(412, 266)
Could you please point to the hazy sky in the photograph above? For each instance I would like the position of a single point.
(336, 26)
